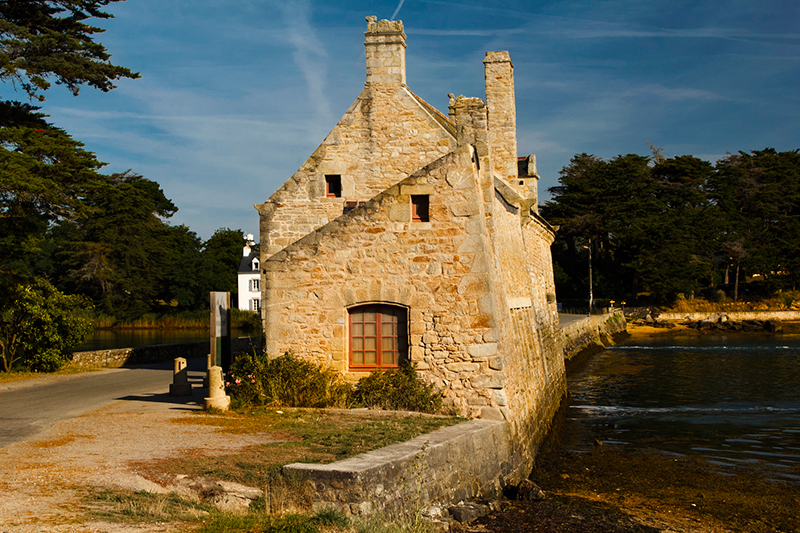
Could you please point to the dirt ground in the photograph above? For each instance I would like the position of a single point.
(42, 481)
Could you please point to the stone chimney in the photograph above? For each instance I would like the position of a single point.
(386, 52)
(499, 75)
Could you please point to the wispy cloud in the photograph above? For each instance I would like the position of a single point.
(603, 30)
(673, 94)
(309, 55)
(396, 11)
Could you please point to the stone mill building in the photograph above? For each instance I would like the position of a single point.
(414, 234)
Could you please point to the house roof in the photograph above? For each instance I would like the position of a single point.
(245, 267)
(440, 117)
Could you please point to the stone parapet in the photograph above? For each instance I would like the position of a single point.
(475, 459)
(734, 315)
(592, 331)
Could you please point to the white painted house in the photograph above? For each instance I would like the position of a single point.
(249, 279)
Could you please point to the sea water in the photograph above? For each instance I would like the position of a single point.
(734, 400)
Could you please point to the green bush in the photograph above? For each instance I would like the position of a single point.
(396, 390)
(284, 381)
(38, 324)
(287, 381)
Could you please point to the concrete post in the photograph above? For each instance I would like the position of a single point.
(180, 379)
(221, 329)
(216, 390)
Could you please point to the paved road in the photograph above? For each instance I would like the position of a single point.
(564, 319)
(29, 409)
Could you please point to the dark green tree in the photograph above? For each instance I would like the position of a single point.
(45, 175)
(645, 223)
(51, 39)
(123, 250)
(222, 254)
(758, 194)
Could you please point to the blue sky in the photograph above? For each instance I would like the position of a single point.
(234, 96)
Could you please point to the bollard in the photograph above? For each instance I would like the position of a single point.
(180, 381)
(216, 390)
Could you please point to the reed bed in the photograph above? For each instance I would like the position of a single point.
(241, 320)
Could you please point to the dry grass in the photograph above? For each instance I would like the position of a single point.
(13, 377)
(61, 441)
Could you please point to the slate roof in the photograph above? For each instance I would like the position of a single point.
(245, 266)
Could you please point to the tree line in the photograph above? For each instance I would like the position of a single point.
(662, 229)
(72, 237)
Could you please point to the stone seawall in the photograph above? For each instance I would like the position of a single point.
(462, 462)
(734, 315)
(117, 357)
(596, 331)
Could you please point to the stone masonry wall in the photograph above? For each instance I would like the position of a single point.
(384, 137)
(438, 270)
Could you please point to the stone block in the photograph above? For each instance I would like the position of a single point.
(491, 413)
(482, 350)
(500, 398)
(417, 353)
(463, 367)
(488, 381)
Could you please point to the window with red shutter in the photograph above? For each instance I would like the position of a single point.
(378, 336)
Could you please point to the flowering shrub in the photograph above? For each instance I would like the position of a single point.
(255, 379)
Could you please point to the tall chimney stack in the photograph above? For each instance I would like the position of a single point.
(386, 52)
(502, 123)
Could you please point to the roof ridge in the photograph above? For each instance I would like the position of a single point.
(440, 117)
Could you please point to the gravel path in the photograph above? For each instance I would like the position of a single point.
(42, 481)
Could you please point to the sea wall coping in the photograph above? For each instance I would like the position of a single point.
(473, 459)
(734, 315)
(594, 330)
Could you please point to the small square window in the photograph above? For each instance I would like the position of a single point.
(420, 208)
(333, 186)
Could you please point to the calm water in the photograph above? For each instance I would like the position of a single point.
(732, 400)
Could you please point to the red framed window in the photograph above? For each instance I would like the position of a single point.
(378, 337)
(333, 186)
(420, 208)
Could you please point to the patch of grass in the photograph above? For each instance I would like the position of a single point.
(127, 506)
(324, 521)
(306, 435)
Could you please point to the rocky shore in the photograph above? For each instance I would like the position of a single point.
(713, 323)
